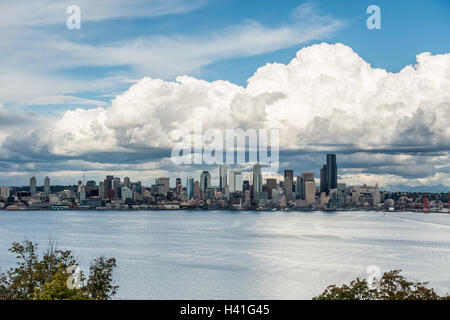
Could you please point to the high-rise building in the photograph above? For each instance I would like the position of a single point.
(288, 182)
(310, 191)
(306, 176)
(126, 193)
(108, 182)
(205, 181)
(165, 182)
(190, 187)
(116, 187)
(236, 183)
(101, 190)
(178, 186)
(223, 177)
(271, 184)
(298, 187)
(33, 186)
(126, 182)
(331, 172)
(109, 192)
(197, 190)
(4, 192)
(323, 179)
(47, 186)
(257, 181)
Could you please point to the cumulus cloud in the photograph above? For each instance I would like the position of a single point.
(326, 98)
(327, 95)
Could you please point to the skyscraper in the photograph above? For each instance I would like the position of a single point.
(4, 192)
(116, 187)
(288, 181)
(165, 182)
(33, 186)
(47, 186)
(323, 179)
(310, 192)
(271, 184)
(236, 183)
(306, 176)
(223, 177)
(331, 172)
(126, 182)
(257, 181)
(101, 190)
(205, 181)
(178, 186)
(190, 187)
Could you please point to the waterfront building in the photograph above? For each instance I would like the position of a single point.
(4, 192)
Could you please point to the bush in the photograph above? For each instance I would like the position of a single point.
(49, 277)
(391, 286)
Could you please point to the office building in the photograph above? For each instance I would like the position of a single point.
(190, 188)
(236, 182)
(331, 172)
(33, 186)
(257, 181)
(47, 186)
(205, 181)
(223, 177)
(288, 183)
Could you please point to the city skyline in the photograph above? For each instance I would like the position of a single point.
(312, 69)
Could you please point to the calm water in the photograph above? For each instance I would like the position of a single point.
(241, 255)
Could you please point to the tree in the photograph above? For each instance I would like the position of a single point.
(100, 281)
(50, 277)
(391, 286)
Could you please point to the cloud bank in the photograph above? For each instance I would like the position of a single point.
(389, 127)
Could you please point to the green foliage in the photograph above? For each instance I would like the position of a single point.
(49, 278)
(100, 282)
(391, 286)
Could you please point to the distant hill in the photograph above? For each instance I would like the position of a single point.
(405, 188)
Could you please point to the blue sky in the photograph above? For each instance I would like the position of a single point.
(47, 70)
(408, 28)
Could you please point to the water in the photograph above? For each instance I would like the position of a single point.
(241, 255)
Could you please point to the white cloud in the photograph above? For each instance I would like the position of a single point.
(326, 97)
(46, 12)
(42, 58)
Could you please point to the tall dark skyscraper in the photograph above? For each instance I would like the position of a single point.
(331, 172)
(288, 182)
(323, 179)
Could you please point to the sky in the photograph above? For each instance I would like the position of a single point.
(104, 98)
